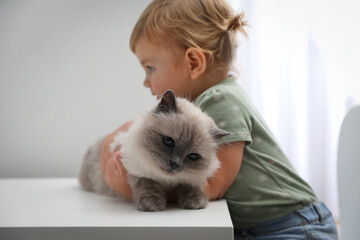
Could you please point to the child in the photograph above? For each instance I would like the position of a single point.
(188, 46)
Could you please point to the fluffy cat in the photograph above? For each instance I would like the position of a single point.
(172, 147)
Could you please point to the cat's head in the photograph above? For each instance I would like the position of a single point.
(181, 139)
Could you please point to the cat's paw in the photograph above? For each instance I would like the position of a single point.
(196, 200)
(152, 203)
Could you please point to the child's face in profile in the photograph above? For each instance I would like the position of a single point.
(165, 67)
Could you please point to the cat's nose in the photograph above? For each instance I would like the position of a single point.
(174, 165)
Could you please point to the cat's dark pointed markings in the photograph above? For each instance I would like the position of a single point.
(172, 147)
(167, 103)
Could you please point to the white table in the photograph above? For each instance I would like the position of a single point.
(57, 208)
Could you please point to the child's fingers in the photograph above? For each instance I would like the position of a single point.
(113, 167)
(118, 155)
(118, 164)
(116, 175)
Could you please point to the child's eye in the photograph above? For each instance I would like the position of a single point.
(150, 68)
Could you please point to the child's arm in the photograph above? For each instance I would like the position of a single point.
(230, 156)
(113, 171)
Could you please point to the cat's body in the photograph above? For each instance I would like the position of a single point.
(170, 148)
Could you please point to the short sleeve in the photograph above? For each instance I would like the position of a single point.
(228, 112)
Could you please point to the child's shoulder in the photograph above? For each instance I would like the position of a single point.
(227, 95)
(227, 104)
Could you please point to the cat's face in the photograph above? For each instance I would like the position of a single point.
(180, 138)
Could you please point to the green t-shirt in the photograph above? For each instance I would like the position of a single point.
(267, 186)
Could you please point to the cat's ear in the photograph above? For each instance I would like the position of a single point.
(217, 133)
(167, 103)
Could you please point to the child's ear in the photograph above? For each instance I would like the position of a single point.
(196, 60)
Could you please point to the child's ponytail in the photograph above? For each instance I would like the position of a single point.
(237, 23)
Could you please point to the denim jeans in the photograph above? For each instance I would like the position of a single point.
(312, 222)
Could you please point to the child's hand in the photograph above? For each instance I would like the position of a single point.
(116, 176)
(113, 171)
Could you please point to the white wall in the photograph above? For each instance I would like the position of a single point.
(67, 77)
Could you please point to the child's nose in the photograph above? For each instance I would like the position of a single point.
(146, 83)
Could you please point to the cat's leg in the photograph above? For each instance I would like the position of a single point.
(191, 197)
(148, 194)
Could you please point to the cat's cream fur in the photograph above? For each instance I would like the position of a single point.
(140, 164)
(147, 160)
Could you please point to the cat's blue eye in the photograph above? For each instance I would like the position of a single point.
(150, 69)
(193, 156)
(168, 141)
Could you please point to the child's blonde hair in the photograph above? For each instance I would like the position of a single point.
(209, 25)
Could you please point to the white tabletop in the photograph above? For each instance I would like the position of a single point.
(53, 208)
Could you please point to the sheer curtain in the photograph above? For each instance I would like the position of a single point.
(299, 66)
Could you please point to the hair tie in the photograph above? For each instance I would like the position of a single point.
(234, 24)
(238, 23)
